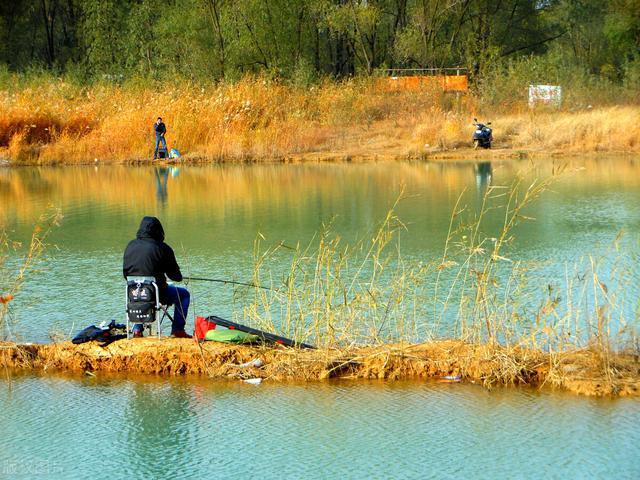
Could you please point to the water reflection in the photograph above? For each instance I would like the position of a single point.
(162, 175)
(483, 173)
(157, 419)
(25, 192)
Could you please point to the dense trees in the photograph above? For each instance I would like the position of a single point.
(303, 39)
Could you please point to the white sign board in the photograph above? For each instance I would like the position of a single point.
(545, 94)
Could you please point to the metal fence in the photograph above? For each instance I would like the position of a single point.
(405, 72)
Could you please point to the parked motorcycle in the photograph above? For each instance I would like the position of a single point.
(483, 136)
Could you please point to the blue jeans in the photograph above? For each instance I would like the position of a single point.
(159, 139)
(179, 297)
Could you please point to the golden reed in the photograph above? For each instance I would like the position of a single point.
(53, 121)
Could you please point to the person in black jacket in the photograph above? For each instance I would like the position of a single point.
(160, 129)
(149, 256)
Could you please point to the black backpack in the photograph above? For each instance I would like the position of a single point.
(104, 335)
(141, 302)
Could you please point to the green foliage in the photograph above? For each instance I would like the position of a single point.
(102, 31)
(211, 40)
(632, 74)
(622, 25)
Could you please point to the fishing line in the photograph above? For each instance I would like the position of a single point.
(193, 301)
(231, 282)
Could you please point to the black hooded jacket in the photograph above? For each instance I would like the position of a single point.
(148, 255)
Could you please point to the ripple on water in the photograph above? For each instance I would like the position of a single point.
(199, 429)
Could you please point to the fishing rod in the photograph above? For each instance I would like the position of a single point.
(232, 282)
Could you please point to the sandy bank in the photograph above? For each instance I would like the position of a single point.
(583, 372)
(462, 154)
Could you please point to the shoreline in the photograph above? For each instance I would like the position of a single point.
(256, 121)
(582, 372)
(466, 155)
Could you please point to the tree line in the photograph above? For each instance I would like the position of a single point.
(307, 39)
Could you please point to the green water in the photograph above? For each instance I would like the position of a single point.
(213, 215)
(116, 427)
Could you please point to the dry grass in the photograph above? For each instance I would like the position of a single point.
(611, 129)
(13, 274)
(608, 129)
(256, 119)
(251, 119)
(341, 295)
(486, 364)
(359, 303)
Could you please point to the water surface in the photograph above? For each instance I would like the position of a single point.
(213, 215)
(133, 428)
(116, 427)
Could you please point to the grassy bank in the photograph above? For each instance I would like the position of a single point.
(489, 365)
(53, 121)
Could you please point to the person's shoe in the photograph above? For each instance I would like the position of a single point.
(180, 334)
(137, 334)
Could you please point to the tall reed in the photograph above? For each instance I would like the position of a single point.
(57, 121)
(14, 273)
(337, 294)
(334, 292)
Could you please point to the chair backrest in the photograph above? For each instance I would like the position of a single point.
(142, 299)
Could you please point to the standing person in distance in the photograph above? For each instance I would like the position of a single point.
(160, 129)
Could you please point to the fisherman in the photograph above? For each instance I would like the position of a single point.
(148, 255)
(160, 130)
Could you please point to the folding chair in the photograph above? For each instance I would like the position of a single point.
(142, 298)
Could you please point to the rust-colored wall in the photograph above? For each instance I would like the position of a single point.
(449, 83)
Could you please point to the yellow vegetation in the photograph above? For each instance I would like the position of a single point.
(256, 119)
(487, 364)
(610, 129)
